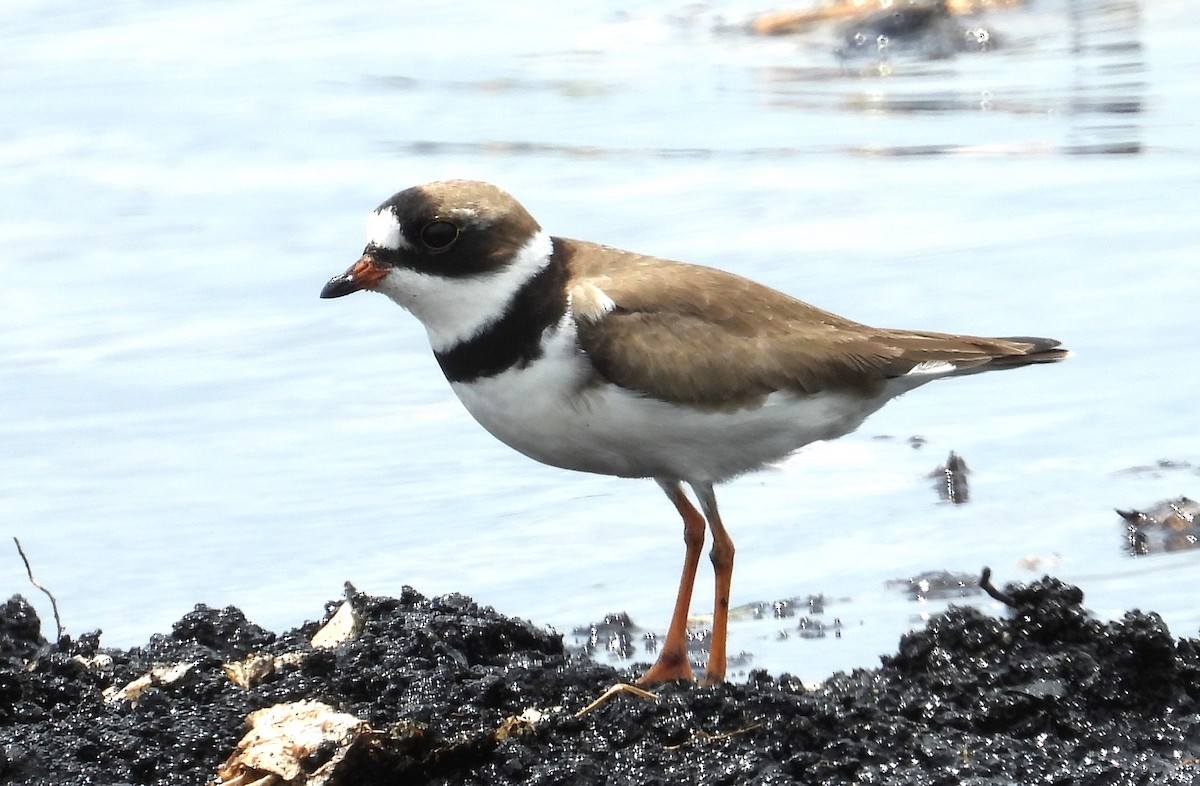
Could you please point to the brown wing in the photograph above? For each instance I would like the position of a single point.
(700, 336)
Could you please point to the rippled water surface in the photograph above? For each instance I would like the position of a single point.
(184, 421)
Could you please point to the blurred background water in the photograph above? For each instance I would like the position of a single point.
(183, 421)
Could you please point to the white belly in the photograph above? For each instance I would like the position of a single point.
(547, 412)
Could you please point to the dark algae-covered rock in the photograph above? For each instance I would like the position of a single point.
(443, 691)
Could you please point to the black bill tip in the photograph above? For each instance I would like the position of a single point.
(363, 274)
(340, 286)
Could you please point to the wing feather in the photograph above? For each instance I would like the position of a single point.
(704, 337)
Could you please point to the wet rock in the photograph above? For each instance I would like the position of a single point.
(937, 585)
(443, 691)
(615, 634)
(799, 20)
(20, 630)
(950, 480)
(226, 631)
(924, 29)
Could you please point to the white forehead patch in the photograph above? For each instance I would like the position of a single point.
(383, 230)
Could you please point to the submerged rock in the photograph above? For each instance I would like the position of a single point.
(922, 28)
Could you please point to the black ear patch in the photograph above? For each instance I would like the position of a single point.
(439, 235)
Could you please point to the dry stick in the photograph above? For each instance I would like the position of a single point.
(704, 736)
(34, 582)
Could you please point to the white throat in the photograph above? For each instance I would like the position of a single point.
(454, 310)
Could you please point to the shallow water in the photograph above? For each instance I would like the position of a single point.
(185, 421)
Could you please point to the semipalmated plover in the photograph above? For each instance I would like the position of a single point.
(591, 358)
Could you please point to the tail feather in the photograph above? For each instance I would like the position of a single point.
(1038, 344)
(921, 357)
(1035, 350)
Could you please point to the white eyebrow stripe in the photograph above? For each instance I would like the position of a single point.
(383, 230)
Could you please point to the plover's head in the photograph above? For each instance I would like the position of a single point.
(453, 252)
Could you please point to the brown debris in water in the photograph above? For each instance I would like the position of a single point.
(1168, 526)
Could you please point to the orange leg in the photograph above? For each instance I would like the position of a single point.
(672, 663)
(722, 560)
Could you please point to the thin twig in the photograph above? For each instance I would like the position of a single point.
(34, 582)
(704, 736)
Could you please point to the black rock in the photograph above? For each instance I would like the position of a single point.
(1048, 694)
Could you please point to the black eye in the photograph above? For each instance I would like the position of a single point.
(438, 235)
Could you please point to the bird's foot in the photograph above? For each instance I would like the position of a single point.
(672, 665)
